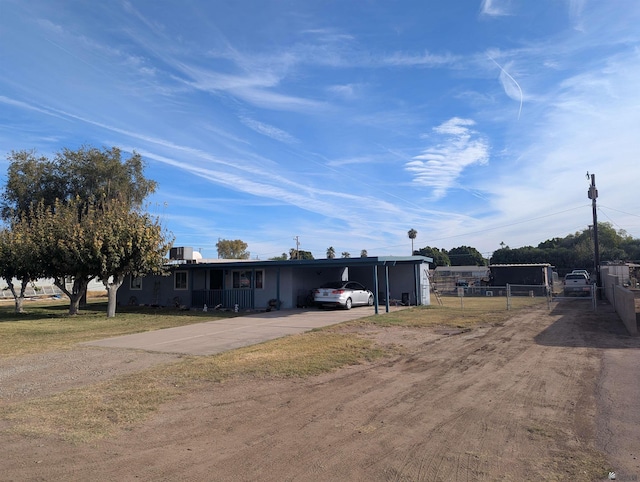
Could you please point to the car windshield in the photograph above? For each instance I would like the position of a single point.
(576, 276)
(333, 284)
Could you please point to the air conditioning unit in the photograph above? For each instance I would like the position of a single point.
(181, 252)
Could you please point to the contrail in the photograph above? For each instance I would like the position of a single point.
(514, 81)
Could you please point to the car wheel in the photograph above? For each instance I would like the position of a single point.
(370, 301)
(348, 304)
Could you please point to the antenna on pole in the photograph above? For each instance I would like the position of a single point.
(297, 240)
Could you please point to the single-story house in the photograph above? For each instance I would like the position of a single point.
(193, 282)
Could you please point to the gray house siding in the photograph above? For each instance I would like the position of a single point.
(157, 290)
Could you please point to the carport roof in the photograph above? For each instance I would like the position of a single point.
(254, 263)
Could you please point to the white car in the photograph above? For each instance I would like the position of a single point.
(581, 271)
(342, 293)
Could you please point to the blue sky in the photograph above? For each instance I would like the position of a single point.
(344, 123)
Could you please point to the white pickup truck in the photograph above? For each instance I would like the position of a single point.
(577, 284)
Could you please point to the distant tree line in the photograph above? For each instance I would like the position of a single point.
(461, 256)
(575, 251)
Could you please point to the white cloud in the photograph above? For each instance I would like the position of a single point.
(575, 11)
(426, 59)
(440, 166)
(268, 130)
(496, 8)
(346, 91)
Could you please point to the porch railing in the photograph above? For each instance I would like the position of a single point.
(227, 298)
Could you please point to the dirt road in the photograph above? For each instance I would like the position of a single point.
(544, 396)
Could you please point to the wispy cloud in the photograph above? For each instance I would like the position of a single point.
(439, 167)
(268, 130)
(26, 106)
(575, 12)
(511, 86)
(496, 8)
(425, 59)
(345, 91)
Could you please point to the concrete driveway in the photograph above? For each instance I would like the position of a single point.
(216, 336)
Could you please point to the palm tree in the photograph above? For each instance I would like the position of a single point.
(363, 253)
(331, 253)
(346, 254)
(412, 235)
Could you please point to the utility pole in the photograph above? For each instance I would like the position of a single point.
(593, 194)
(297, 247)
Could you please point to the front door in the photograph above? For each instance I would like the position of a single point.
(216, 279)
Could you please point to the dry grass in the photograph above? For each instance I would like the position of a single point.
(293, 356)
(98, 410)
(455, 313)
(93, 412)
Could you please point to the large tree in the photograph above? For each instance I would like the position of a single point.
(127, 243)
(106, 241)
(87, 174)
(439, 256)
(69, 202)
(30, 179)
(232, 249)
(465, 256)
(65, 244)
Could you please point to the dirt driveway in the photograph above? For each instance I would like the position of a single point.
(548, 395)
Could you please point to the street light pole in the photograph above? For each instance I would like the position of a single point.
(593, 194)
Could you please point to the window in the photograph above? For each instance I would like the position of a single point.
(242, 279)
(180, 280)
(136, 283)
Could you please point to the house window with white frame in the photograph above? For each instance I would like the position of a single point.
(180, 280)
(135, 283)
(242, 279)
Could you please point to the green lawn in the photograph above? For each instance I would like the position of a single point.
(46, 326)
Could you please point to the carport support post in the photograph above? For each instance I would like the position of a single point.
(375, 287)
(278, 289)
(386, 286)
(416, 281)
(253, 289)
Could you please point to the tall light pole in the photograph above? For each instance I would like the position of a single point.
(593, 194)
